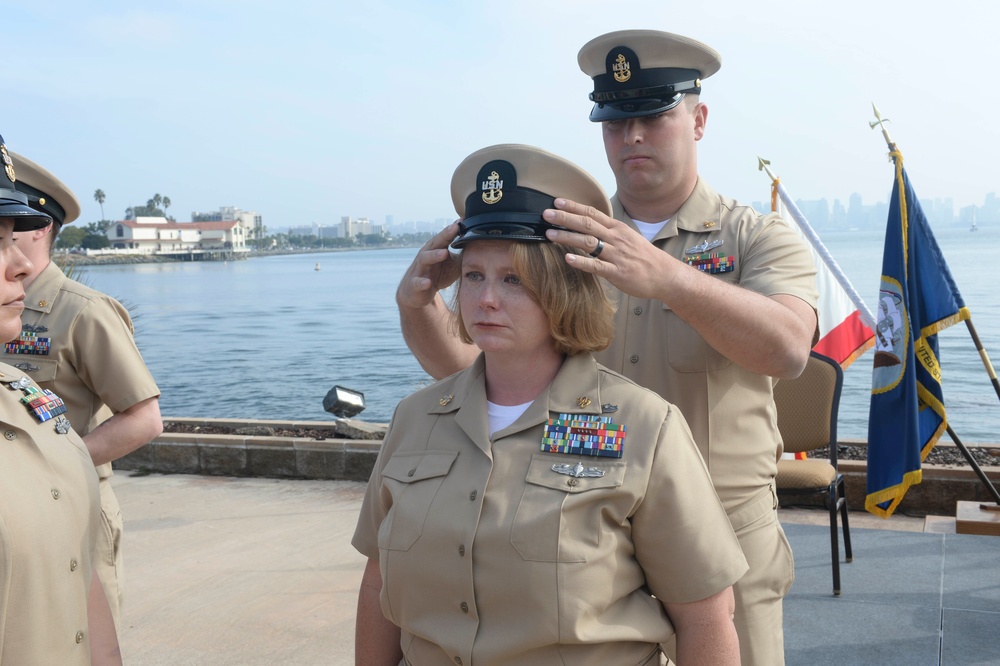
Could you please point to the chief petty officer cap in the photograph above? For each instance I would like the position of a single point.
(14, 204)
(45, 192)
(501, 191)
(644, 72)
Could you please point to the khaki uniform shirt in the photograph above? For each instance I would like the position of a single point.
(49, 517)
(489, 556)
(729, 409)
(91, 362)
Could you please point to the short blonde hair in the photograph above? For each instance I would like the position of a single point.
(579, 309)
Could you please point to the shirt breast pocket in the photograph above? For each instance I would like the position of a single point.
(687, 351)
(560, 517)
(413, 480)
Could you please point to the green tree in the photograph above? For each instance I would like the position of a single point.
(166, 203)
(100, 198)
(70, 237)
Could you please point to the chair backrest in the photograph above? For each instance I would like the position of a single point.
(808, 405)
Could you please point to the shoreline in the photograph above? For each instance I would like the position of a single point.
(73, 259)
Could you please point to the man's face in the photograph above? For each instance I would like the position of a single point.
(15, 267)
(654, 156)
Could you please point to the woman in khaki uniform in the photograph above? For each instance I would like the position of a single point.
(537, 508)
(52, 607)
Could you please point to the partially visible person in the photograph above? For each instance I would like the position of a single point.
(537, 508)
(77, 342)
(714, 299)
(52, 607)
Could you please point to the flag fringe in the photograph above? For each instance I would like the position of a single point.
(893, 494)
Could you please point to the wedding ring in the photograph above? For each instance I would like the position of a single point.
(597, 250)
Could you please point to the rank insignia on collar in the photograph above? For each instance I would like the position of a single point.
(583, 401)
(584, 435)
(446, 400)
(578, 470)
(704, 247)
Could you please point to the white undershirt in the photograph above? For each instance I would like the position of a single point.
(650, 229)
(501, 416)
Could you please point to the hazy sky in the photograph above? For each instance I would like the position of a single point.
(307, 110)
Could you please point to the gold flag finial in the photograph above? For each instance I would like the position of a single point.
(763, 165)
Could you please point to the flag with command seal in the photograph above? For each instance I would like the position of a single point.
(917, 299)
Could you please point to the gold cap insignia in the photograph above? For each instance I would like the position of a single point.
(583, 401)
(8, 164)
(621, 68)
(492, 189)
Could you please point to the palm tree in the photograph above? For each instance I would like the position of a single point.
(99, 198)
(166, 203)
(157, 200)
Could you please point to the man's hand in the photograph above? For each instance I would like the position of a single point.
(433, 269)
(626, 259)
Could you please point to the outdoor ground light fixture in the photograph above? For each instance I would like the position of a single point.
(344, 402)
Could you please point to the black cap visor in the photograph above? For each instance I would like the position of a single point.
(622, 109)
(14, 205)
(525, 227)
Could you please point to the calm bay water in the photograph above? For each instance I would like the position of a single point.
(267, 338)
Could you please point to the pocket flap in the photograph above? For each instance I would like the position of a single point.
(410, 467)
(541, 473)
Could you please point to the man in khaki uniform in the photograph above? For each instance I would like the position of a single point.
(78, 343)
(716, 300)
(52, 609)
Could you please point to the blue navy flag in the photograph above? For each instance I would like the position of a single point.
(917, 299)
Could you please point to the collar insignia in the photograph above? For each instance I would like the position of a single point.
(446, 400)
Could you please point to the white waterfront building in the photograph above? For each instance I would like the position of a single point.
(156, 235)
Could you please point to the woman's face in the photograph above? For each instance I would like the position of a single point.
(15, 268)
(498, 312)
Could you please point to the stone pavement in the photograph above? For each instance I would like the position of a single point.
(256, 571)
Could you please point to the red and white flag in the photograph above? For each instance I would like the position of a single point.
(845, 322)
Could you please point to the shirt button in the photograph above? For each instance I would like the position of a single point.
(55, 493)
(573, 482)
(79, 637)
(10, 434)
(412, 472)
(458, 660)
(461, 550)
(637, 310)
(72, 564)
(634, 358)
(472, 496)
(465, 607)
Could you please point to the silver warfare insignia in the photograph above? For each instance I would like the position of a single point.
(492, 189)
(577, 470)
(621, 69)
(704, 247)
(62, 425)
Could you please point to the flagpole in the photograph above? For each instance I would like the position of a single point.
(896, 155)
(865, 314)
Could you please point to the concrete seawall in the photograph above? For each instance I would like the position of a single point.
(351, 455)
